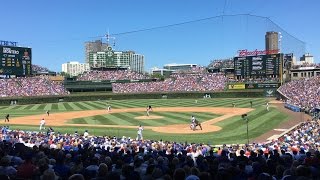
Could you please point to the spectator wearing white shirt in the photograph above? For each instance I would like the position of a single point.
(86, 134)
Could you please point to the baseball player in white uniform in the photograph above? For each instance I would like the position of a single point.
(193, 122)
(139, 132)
(149, 108)
(42, 124)
(109, 108)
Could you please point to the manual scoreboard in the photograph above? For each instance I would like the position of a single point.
(258, 66)
(15, 61)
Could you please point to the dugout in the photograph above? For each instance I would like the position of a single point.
(292, 107)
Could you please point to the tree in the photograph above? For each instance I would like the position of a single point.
(65, 74)
(157, 76)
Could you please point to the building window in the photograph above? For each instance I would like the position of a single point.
(295, 74)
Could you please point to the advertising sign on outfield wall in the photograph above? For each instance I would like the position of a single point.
(236, 86)
(262, 85)
(270, 92)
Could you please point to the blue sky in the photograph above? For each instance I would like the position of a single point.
(56, 30)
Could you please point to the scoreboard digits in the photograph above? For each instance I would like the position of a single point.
(15, 61)
(260, 65)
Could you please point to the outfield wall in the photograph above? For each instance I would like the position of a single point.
(114, 96)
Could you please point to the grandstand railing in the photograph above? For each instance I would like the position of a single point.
(293, 108)
(282, 94)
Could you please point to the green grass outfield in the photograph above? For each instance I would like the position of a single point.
(233, 129)
(128, 118)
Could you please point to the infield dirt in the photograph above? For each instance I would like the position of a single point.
(61, 118)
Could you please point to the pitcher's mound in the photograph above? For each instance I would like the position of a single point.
(148, 117)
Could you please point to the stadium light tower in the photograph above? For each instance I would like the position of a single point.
(108, 38)
(245, 117)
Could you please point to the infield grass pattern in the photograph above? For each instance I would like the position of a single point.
(234, 129)
(128, 118)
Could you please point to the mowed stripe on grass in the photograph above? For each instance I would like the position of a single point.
(54, 107)
(259, 121)
(234, 129)
(128, 118)
(48, 106)
(72, 106)
(61, 107)
(95, 105)
(117, 104)
(24, 107)
(35, 107)
(86, 106)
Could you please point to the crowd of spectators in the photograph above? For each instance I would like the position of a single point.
(178, 82)
(52, 155)
(256, 80)
(111, 75)
(314, 65)
(31, 86)
(37, 68)
(222, 63)
(304, 92)
(305, 135)
(196, 69)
